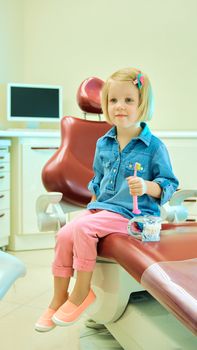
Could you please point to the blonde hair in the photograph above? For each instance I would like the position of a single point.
(145, 108)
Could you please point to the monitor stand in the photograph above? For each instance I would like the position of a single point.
(32, 125)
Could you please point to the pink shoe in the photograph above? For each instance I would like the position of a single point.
(45, 323)
(69, 313)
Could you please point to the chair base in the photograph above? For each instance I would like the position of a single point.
(147, 325)
(113, 286)
(134, 318)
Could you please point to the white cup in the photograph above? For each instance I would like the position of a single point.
(149, 228)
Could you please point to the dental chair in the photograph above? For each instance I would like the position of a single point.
(11, 268)
(146, 291)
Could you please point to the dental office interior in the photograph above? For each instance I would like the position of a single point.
(64, 44)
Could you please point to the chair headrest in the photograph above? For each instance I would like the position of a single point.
(89, 95)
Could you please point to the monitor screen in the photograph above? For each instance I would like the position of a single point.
(37, 103)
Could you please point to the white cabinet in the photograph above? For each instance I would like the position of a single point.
(4, 192)
(34, 156)
(28, 157)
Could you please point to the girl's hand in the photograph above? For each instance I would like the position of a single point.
(137, 186)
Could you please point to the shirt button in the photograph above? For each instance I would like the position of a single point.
(114, 170)
(111, 182)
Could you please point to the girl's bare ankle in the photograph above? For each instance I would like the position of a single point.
(77, 297)
(57, 302)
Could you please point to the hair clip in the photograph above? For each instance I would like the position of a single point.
(139, 81)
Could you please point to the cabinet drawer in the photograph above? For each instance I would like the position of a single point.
(4, 181)
(4, 157)
(4, 200)
(4, 223)
(4, 167)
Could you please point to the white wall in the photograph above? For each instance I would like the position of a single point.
(11, 39)
(11, 47)
(65, 41)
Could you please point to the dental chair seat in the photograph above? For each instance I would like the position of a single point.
(166, 269)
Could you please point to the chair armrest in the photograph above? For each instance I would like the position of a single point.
(181, 195)
(49, 220)
(174, 210)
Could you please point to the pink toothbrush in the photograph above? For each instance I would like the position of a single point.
(137, 167)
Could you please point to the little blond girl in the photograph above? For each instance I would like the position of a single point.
(127, 103)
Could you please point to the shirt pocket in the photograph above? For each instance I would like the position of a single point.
(129, 170)
(107, 159)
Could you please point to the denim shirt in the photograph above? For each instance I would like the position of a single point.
(112, 167)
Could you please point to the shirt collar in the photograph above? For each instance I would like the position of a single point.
(144, 136)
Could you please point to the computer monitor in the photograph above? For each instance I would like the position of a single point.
(34, 103)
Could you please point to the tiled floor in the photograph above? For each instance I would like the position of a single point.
(24, 303)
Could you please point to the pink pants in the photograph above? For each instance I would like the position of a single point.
(76, 242)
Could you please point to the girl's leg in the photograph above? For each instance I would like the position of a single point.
(45, 323)
(86, 234)
(79, 294)
(62, 270)
(62, 266)
(60, 292)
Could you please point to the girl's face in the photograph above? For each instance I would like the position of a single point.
(123, 101)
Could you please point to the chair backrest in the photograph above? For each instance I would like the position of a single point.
(70, 169)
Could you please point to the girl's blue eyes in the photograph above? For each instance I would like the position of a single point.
(127, 100)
